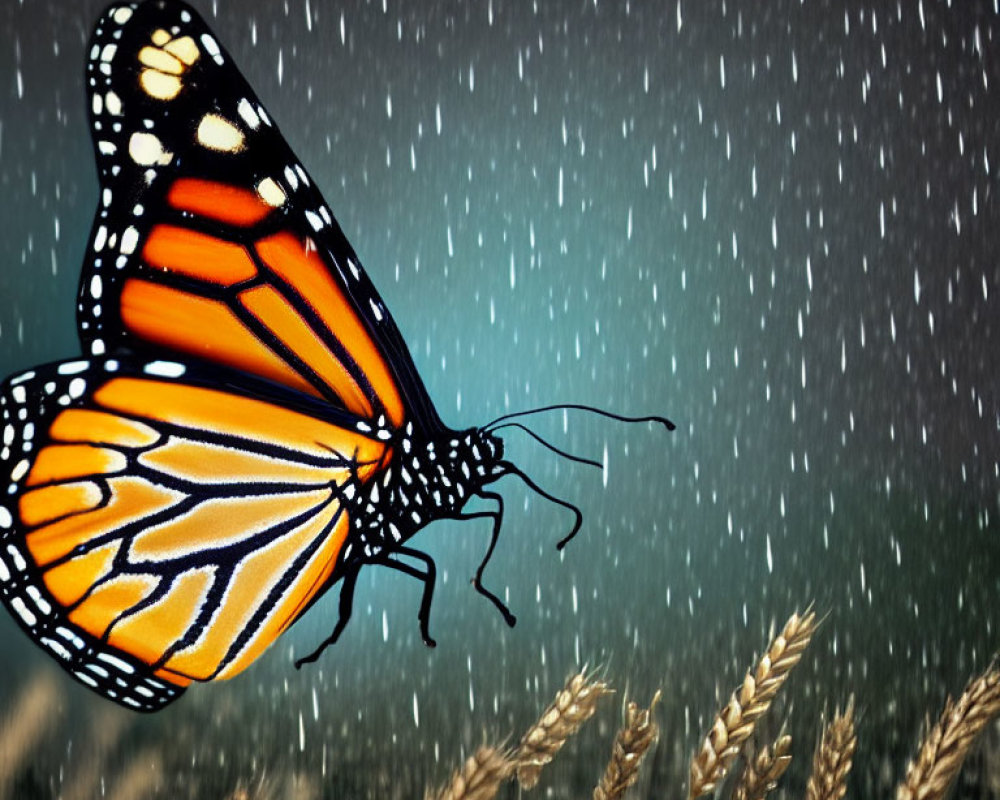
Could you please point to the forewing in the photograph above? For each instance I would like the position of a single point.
(157, 529)
(211, 240)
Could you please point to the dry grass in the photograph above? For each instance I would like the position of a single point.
(834, 756)
(946, 743)
(633, 740)
(735, 723)
(572, 707)
(764, 769)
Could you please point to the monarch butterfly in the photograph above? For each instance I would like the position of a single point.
(246, 427)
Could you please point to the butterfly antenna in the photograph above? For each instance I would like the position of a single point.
(579, 407)
(509, 469)
(549, 445)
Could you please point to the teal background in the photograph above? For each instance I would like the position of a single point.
(775, 224)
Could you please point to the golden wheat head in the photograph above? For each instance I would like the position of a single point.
(764, 769)
(479, 778)
(834, 756)
(573, 705)
(633, 740)
(735, 723)
(946, 743)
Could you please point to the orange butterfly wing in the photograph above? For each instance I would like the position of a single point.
(116, 477)
(211, 240)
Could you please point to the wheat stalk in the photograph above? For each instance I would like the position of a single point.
(834, 756)
(24, 727)
(479, 778)
(946, 744)
(140, 777)
(735, 723)
(631, 743)
(764, 769)
(573, 705)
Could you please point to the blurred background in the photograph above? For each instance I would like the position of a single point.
(775, 224)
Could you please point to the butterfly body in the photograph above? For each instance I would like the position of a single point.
(246, 427)
(425, 480)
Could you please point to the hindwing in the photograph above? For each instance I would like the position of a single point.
(157, 529)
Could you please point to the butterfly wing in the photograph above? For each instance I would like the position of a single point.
(159, 529)
(212, 241)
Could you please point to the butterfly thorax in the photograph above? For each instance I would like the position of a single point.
(425, 480)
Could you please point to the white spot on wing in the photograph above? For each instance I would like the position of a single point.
(73, 367)
(100, 238)
(130, 238)
(271, 193)
(314, 220)
(146, 149)
(218, 133)
(165, 369)
(212, 47)
(77, 387)
(83, 676)
(23, 612)
(113, 103)
(56, 647)
(15, 554)
(122, 666)
(245, 110)
(40, 602)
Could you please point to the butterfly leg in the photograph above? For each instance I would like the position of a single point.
(346, 607)
(427, 578)
(509, 469)
(496, 517)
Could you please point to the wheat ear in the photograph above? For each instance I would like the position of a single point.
(573, 705)
(735, 723)
(834, 756)
(764, 769)
(631, 743)
(946, 744)
(479, 778)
